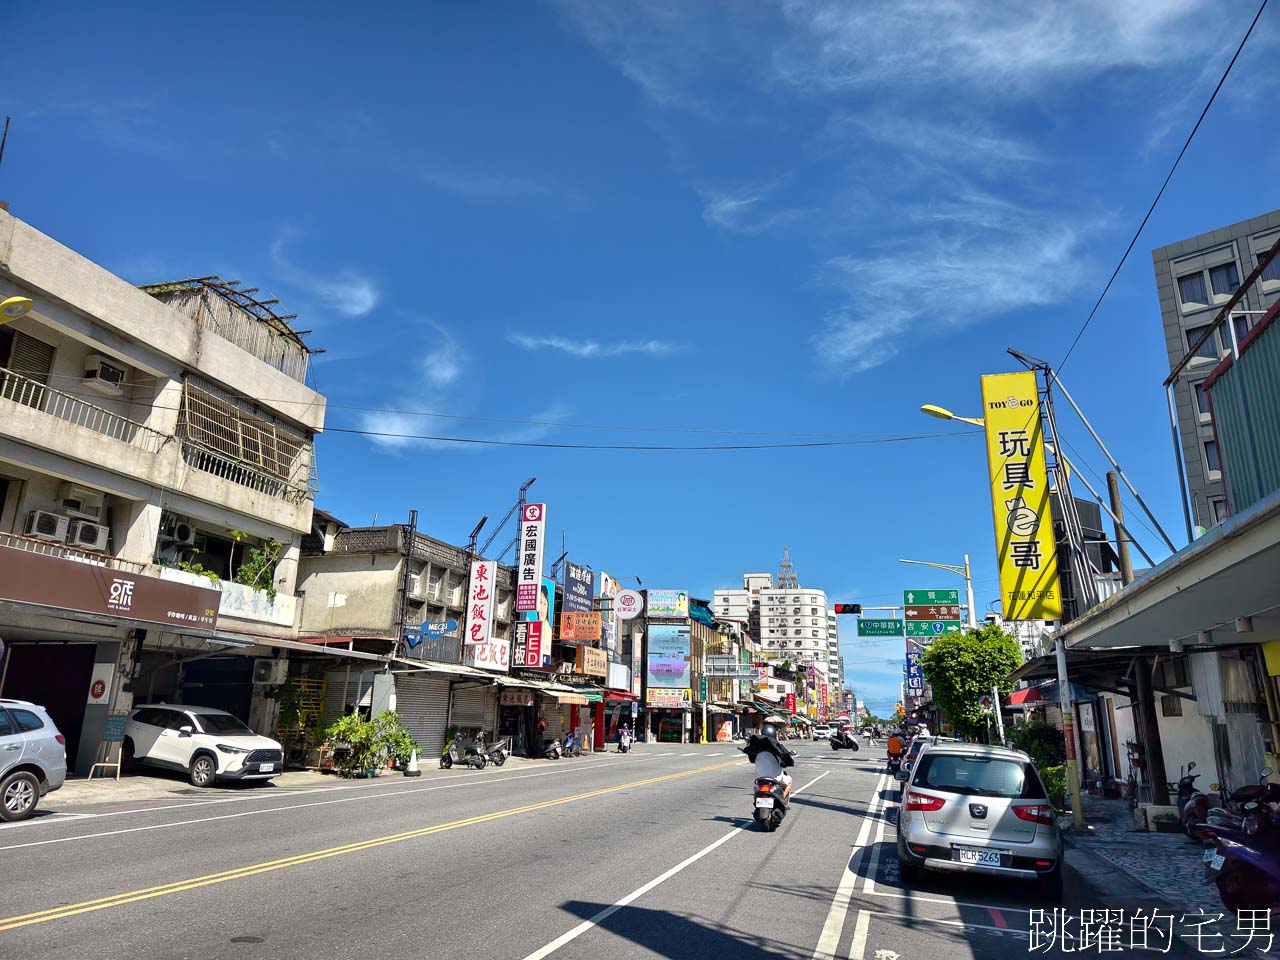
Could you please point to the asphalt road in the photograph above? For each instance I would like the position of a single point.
(651, 854)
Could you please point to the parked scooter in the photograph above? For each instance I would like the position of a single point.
(1233, 811)
(1245, 863)
(471, 757)
(572, 745)
(1186, 791)
(552, 750)
(498, 753)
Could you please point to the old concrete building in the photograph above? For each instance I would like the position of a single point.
(155, 448)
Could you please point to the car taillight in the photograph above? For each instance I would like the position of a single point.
(1034, 813)
(765, 787)
(61, 739)
(924, 802)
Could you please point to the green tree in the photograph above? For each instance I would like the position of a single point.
(963, 667)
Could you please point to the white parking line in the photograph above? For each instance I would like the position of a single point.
(417, 788)
(829, 940)
(639, 892)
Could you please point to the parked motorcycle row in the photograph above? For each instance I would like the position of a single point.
(1241, 834)
(476, 754)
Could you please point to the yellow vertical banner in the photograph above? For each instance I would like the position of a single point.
(1025, 548)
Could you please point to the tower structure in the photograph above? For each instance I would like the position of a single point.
(787, 573)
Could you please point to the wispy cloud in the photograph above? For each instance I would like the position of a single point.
(974, 259)
(401, 432)
(591, 348)
(442, 362)
(745, 212)
(347, 290)
(478, 185)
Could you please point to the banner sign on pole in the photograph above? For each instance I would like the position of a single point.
(529, 547)
(480, 594)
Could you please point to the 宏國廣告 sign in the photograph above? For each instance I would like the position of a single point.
(530, 542)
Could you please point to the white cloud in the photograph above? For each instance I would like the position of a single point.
(975, 258)
(442, 363)
(488, 186)
(348, 291)
(591, 348)
(402, 432)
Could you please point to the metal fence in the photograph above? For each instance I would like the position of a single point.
(50, 548)
(31, 393)
(228, 469)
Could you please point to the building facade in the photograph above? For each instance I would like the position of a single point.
(1194, 278)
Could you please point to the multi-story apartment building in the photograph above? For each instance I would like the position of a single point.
(793, 626)
(1194, 278)
(155, 483)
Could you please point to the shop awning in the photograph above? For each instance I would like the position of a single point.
(620, 696)
(432, 666)
(593, 694)
(569, 699)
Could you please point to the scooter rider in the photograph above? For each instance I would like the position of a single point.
(895, 746)
(770, 757)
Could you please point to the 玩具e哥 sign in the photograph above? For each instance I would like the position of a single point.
(530, 543)
(579, 627)
(1025, 548)
(579, 587)
(55, 582)
(668, 662)
(480, 594)
(672, 604)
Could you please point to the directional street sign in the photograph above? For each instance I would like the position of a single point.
(931, 628)
(940, 612)
(879, 628)
(930, 597)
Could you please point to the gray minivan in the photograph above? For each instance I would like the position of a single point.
(33, 758)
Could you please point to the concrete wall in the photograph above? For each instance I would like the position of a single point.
(349, 592)
(1186, 738)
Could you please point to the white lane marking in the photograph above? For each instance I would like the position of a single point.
(948, 901)
(296, 806)
(858, 949)
(829, 940)
(869, 885)
(951, 923)
(55, 817)
(639, 892)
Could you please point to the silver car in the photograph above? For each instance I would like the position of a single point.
(969, 808)
(33, 758)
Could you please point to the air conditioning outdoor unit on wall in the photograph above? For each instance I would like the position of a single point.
(270, 672)
(103, 375)
(88, 536)
(179, 531)
(81, 501)
(44, 525)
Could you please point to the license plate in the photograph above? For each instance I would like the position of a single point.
(1215, 863)
(977, 855)
(266, 767)
(1209, 855)
(764, 801)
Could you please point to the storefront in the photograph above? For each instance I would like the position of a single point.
(668, 714)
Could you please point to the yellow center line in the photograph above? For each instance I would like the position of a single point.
(133, 896)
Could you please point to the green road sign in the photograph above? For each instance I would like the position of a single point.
(702, 689)
(932, 628)
(879, 628)
(914, 598)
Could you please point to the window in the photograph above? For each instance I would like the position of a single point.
(1273, 268)
(977, 776)
(1241, 323)
(1209, 350)
(230, 726)
(1224, 279)
(175, 720)
(1202, 400)
(6, 725)
(1172, 673)
(1218, 506)
(1191, 290)
(1170, 706)
(1212, 461)
(27, 721)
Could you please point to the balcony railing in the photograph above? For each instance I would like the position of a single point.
(439, 649)
(32, 393)
(51, 548)
(228, 469)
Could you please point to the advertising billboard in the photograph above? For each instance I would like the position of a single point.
(1025, 549)
(609, 587)
(579, 587)
(668, 603)
(480, 594)
(539, 632)
(530, 543)
(577, 627)
(668, 662)
(628, 604)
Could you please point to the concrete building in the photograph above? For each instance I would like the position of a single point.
(1194, 278)
(156, 447)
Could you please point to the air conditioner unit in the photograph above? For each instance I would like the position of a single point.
(270, 672)
(103, 375)
(87, 535)
(179, 531)
(46, 526)
(81, 502)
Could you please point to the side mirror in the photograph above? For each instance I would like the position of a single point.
(1265, 773)
(1191, 766)
(186, 731)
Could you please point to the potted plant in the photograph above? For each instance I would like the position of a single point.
(371, 743)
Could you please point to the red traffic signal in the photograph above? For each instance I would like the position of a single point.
(848, 608)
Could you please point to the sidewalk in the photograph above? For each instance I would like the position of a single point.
(1168, 865)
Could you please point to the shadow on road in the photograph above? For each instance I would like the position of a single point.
(670, 934)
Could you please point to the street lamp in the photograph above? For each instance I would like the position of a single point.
(959, 571)
(942, 413)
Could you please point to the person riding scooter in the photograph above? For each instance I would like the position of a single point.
(770, 757)
(895, 746)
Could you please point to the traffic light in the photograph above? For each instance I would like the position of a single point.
(848, 608)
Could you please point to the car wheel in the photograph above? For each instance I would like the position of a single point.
(1049, 887)
(203, 770)
(19, 794)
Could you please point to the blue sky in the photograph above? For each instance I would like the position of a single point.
(784, 218)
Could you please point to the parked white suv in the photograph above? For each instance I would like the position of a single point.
(207, 744)
(33, 758)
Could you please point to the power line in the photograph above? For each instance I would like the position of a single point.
(645, 447)
(1150, 210)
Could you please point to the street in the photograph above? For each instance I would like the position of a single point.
(644, 855)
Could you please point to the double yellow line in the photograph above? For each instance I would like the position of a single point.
(133, 896)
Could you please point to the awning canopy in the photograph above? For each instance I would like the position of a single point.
(620, 696)
(432, 666)
(1204, 588)
(568, 699)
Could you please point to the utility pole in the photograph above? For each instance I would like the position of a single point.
(995, 702)
(410, 534)
(1122, 532)
(1069, 733)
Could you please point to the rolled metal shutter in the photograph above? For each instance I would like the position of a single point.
(468, 705)
(423, 705)
(557, 715)
(342, 687)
